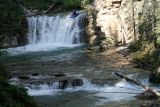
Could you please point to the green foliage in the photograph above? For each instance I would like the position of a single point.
(145, 53)
(158, 40)
(145, 48)
(3, 73)
(44, 4)
(37, 4)
(72, 3)
(134, 46)
(84, 3)
(10, 16)
(13, 96)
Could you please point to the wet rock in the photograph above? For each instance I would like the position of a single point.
(102, 47)
(23, 77)
(59, 75)
(147, 95)
(63, 84)
(77, 82)
(35, 74)
(150, 104)
(89, 49)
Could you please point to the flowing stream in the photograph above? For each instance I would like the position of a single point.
(54, 47)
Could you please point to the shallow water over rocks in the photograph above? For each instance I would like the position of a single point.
(98, 87)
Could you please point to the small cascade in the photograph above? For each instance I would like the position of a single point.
(40, 86)
(47, 33)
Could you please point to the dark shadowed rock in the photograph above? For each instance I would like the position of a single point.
(102, 47)
(23, 77)
(35, 74)
(63, 84)
(59, 75)
(77, 82)
(154, 77)
(147, 95)
(150, 104)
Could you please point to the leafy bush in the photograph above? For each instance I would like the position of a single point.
(10, 16)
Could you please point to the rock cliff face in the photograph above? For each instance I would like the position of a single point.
(118, 19)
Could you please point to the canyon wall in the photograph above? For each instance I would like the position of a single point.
(118, 19)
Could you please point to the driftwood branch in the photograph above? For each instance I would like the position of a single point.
(147, 89)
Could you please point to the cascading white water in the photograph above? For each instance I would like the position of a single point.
(47, 33)
(58, 29)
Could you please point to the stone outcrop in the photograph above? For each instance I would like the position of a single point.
(117, 19)
(107, 18)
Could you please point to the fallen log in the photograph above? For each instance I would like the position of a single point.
(147, 89)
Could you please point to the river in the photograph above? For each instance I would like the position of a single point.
(47, 56)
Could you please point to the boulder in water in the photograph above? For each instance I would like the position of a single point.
(147, 95)
(23, 77)
(77, 82)
(63, 84)
(59, 75)
(35, 74)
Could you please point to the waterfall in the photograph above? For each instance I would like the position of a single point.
(58, 29)
(47, 33)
